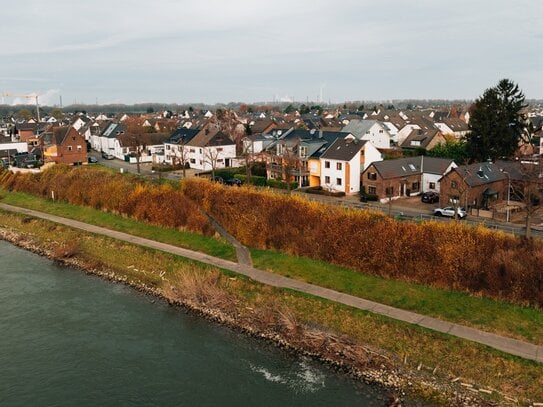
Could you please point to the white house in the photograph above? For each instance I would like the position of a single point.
(106, 141)
(343, 162)
(150, 145)
(209, 149)
(432, 170)
(174, 147)
(456, 127)
(371, 130)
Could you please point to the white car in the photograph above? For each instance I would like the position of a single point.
(449, 212)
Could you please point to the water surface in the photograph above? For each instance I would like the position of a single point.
(69, 339)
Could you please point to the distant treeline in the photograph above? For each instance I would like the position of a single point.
(140, 108)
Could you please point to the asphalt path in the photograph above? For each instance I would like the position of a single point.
(512, 346)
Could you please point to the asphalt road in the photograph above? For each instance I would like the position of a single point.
(405, 209)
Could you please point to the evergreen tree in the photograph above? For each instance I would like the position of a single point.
(496, 125)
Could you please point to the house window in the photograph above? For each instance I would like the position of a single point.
(200, 151)
(415, 186)
(69, 148)
(219, 149)
(192, 161)
(389, 191)
(327, 179)
(432, 185)
(192, 150)
(454, 184)
(372, 190)
(303, 151)
(327, 164)
(381, 131)
(372, 175)
(338, 167)
(338, 181)
(78, 148)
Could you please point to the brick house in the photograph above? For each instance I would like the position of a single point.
(404, 176)
(480, 185)
(65, 145)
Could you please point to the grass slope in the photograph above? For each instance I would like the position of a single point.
(487, 314)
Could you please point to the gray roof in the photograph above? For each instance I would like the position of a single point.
(343, 149)
(424, 138)
(182, 136)
(313, 139)
(358, 128)
(412, 165)
(489, 172)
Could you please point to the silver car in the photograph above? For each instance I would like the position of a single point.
(449, 212)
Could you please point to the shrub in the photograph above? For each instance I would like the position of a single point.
(255, 180)
(280, 184)
(451, 255)
(117, 193)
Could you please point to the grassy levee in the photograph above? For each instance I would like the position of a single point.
(502, 318)
(487, 314)
(189, 240)
(409, 347)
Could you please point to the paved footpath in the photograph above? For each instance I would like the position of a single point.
(508, 345)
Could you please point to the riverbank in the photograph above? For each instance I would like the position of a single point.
(274, 315)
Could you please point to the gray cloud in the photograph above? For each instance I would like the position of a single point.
(252, 50)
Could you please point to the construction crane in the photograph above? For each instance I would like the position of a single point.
(34, 96)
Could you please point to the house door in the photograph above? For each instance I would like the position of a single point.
(227, 162)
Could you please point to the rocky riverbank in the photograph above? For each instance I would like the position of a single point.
(277, 325)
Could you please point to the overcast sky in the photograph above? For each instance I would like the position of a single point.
(132, 51)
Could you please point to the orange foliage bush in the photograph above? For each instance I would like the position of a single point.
(116, 193)
(450, 255)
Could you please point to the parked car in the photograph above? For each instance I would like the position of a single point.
(217, 179)
(430, 197)
(92, 160)
(107, 156)
(449, 212)
(233, 181)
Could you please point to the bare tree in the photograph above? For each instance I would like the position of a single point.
(139, 147)
(211, 157)
(290, 163)
(181, 157)
(248, 154)
(529, 190)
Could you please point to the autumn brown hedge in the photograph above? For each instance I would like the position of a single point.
(121, 194)
(448, 255)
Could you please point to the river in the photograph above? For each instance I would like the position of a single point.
(70, 339)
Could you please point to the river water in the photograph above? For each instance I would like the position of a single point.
(69, 339)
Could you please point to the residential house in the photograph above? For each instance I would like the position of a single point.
(149, 147)
(289, 154)
(392, 179)
(174, 147)
(105, 142)
(423, 139)
(480, 185)
(211, 149)
(26, 130)
(372, 130)
(456, 127)
(342, 163)
(64, 145)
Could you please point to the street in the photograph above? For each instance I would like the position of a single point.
(408, 209)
